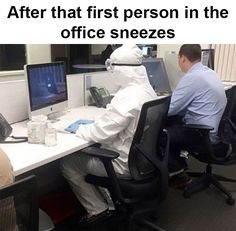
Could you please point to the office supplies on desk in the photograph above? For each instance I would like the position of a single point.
(72, 128)
(5, 128)
(100, 96)
(36, 129)
(50, 135)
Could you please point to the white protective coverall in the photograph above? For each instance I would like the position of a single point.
(114, 130)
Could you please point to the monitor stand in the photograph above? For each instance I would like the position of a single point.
(56, 116)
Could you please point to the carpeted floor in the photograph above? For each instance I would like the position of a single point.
(204, 211)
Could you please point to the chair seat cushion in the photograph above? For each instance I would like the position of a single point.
(224, 155)
(147, 189)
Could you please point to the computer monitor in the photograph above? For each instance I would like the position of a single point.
(208, 57)
(172, 68)
(157, 74)
(47, 88)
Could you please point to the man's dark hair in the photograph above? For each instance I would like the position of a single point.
(192, 51)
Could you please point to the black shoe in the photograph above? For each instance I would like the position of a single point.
(94, 219)
(180, 181)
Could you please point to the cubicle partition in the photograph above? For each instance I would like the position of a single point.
(13, 101)
(99, 79)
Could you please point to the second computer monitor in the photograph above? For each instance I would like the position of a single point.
(157, 74)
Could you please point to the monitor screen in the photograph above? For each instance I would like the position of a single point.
(47, 88)
(157, 74)
(208, 58)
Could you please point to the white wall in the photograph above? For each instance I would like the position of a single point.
(13, 101)
(38, 53)
(98, 48)
(170, 48)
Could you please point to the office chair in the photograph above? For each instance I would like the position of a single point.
(138, 196)
(210, 154)
(19, 205)
(20, 201)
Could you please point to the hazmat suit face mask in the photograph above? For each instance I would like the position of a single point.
(109, 65)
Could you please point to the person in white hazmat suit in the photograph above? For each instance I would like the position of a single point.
(114, 130)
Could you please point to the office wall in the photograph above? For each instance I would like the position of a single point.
(225, 61)
(98, 48)
(13, 101)
(167, 48)
(38, 53)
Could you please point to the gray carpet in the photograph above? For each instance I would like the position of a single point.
(204, 211)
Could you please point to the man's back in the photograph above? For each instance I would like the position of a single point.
(199, 97)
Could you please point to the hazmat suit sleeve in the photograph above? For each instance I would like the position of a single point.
(107, 127)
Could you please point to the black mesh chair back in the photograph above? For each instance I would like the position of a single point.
(232, 107)
(227, 129)
(18, 204)
(222, 153)
(139, 194)
(147, 158)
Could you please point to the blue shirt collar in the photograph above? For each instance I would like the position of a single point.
(195, 66)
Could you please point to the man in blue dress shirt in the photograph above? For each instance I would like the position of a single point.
(199, 98)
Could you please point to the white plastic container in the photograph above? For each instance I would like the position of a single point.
(36, 129)
(50, 135)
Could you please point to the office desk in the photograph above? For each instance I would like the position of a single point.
(25, 157)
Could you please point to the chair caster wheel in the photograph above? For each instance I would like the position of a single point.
(230, 201)
(186, 194)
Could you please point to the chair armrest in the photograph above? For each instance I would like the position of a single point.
(231, 123)
(106, 156)
(199, 127)
(100, 153)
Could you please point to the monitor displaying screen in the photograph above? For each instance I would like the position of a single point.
(157, 74)
(47, 88)
(208, 57)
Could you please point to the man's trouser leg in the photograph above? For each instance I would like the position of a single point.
(179, 138)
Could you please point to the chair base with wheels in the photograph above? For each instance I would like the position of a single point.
(204, 181)
(223, 153)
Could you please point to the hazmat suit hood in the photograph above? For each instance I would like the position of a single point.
(126, 65)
